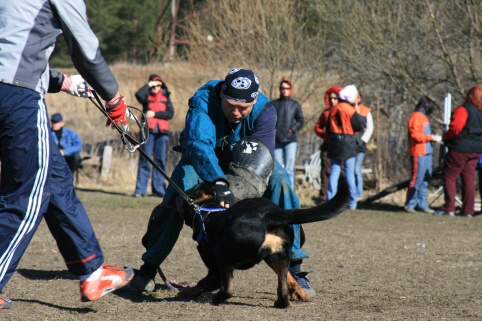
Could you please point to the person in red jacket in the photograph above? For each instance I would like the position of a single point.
(321, 129)
(158, 109)
(464, 142)
(421, 138)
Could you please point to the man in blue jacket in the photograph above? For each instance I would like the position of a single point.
(68, 141)
(220, 114)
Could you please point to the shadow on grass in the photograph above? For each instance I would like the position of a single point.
(387, 207)
(55, 306)
(90, 190)
(46, 275)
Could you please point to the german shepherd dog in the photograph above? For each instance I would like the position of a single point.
(248, 232)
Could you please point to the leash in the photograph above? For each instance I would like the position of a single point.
(131, 144)
(199, 214)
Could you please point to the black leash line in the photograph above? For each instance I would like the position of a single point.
(133, 144)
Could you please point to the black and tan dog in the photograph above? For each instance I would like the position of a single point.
(242, 236)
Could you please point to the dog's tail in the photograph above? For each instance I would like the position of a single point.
(321, 212)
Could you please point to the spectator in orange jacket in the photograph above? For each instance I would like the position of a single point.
(464, 142)
(321, 129)
(421, 138)
(344, 122)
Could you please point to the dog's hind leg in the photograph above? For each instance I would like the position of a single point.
(296, 292)
(226, 290)
(281, 269)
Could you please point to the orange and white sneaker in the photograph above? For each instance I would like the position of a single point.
(5, 303)
(111, 278)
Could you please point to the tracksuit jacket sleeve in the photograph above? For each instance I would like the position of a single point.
(56, 78)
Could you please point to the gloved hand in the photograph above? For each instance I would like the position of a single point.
(437, 138)
(223, 194)
(75, 85)
(116, 107)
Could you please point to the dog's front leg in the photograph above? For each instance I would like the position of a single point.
(226, 290)
(211, 281)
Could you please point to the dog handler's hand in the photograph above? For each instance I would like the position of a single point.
(223, 194)
(116, 107)
(75, 85)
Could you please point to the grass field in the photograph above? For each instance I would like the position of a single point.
(372, 264)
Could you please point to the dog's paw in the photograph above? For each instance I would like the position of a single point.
(190, 292)
(220, 297)
(299, 295)
(282, 303)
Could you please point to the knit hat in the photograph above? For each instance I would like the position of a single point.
(241, 85)
(349, 94)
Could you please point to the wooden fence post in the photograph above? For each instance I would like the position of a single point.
(106, 161)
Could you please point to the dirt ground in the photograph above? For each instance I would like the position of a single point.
(370, 264)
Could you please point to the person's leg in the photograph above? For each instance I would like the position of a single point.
(160, 155)
(68, 222)
(468, 185)
(335, 169)
(166, 225)
(144, 167)
(279, 154)
(423, 180)
(452, 168)
(360, 158)
(25, 172)
(350, 179)
(325, 173)
(290, 158)
(410, 199)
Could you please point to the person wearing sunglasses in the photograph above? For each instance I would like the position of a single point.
(158, 109)
(290, 121)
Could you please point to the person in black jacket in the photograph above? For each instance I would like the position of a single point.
(290, 120)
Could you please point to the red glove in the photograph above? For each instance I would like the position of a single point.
(116, 108)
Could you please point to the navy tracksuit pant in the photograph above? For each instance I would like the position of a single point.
(35, 183)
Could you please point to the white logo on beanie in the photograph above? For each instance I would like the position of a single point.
(256, 79)
(241, 83)
(253, 95)
(232, 71)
